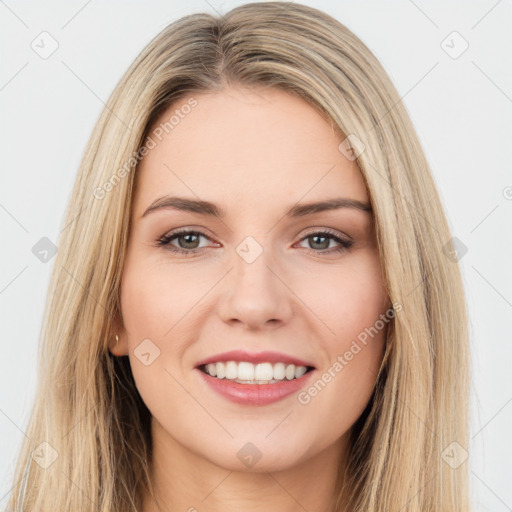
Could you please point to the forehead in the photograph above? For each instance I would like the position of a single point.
(247, 148)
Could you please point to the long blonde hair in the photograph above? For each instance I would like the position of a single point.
(89, 425)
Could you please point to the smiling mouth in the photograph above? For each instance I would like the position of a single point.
(243, 372)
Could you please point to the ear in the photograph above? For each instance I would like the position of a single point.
(119, 346)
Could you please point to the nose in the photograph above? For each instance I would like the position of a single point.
(256, 294)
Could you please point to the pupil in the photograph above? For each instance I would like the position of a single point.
(324, 245)
(187, 240)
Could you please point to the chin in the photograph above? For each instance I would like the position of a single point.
(258, 455)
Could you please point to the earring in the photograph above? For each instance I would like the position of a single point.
(117, 341)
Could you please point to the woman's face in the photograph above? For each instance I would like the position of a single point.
(253, 271)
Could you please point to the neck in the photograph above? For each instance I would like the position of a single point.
(183, 480)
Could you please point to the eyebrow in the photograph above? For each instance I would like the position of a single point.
(211, 209)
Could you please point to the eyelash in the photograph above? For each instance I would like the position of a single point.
(166, 239)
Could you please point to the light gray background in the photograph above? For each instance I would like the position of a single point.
(461, 107)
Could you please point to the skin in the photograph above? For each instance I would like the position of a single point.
(254, 153)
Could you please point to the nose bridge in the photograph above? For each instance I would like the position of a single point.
(256, 294)
(252, 264)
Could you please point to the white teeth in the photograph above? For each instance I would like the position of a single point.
(264, 371)
(220, 370)
(249, 373)
(300, 371)
(211, 369)
(245, 371)
(279, 372)
(231, 370)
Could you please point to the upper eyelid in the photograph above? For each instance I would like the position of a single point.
(180, 231)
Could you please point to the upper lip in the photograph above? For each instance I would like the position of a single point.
(259, 357)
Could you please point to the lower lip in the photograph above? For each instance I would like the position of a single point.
(256, 394)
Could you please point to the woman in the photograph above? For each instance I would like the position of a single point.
(254, 305)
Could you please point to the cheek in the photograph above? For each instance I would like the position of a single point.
(353, 306)
(151, 309)
(155, 297)
(348, 299)
(361, 330)
(160, 303)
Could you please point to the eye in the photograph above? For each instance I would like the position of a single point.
(189, 242)
(319, 241)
